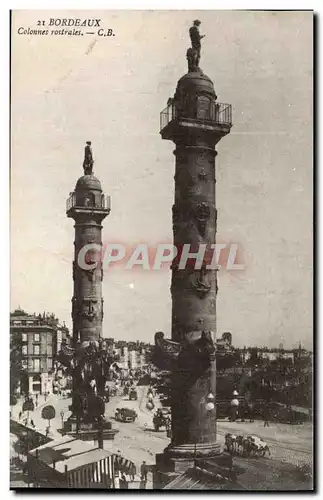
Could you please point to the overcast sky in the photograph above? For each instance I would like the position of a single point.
(66, 90)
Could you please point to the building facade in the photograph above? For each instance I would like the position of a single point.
(131, 355)
(39, 338)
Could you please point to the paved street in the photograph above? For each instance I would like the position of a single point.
(138, 441)
(288, 443)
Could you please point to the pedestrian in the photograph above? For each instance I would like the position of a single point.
(266, 416)
(32, 423)
(251, 412)
(20, 415)
(133, 472)
(144, 471)
(117, 462)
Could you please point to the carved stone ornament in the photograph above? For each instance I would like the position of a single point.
(202, 175)
(89, 310)
(187, 355)
(200, 283)
(202, 215)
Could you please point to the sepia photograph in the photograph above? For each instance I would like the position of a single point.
(161, 250)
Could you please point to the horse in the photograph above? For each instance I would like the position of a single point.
(231, 442)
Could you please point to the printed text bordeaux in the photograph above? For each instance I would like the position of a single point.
(70, 22)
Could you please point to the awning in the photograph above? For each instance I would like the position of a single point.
(200, 479)
(73, 463)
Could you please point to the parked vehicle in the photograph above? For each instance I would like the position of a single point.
(133, 395)
(125, 415)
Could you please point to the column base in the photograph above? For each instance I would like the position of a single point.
(193, 451)
(177, 459)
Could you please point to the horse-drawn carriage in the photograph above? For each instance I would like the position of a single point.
(162, 419)
(246, 446)
(125, 415)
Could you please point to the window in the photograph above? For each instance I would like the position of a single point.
(36, 365)
(24, 337)
(24, 364)
(36, 349)
(49, 363)
(24, 349)
(36, 337)
(49, 350)
(17, 323)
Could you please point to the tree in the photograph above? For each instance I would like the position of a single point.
(48, 413)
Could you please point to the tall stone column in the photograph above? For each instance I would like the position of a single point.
(87, 302)
(88, 361)
(195, 121)
(193, 289)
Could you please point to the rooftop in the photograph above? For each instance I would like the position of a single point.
(70, 452)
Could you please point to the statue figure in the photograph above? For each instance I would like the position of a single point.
(193, 54)
(88, 159)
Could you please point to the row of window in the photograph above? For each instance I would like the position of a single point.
(24, 322)
(36, 337)
(24, 337)
(36, 350)
(35, 364)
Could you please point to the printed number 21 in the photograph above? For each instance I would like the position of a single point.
(40, 23)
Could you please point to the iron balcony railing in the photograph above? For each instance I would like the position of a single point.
(210, 111)
(72, 202)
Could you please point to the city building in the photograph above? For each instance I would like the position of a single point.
(131, 355)
(39, 338)
(271, 354)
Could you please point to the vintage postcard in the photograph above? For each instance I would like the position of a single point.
(161, 316)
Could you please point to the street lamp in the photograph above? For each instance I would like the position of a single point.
(210, 402)
(209, 406)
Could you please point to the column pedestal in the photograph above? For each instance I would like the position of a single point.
(168, 467)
